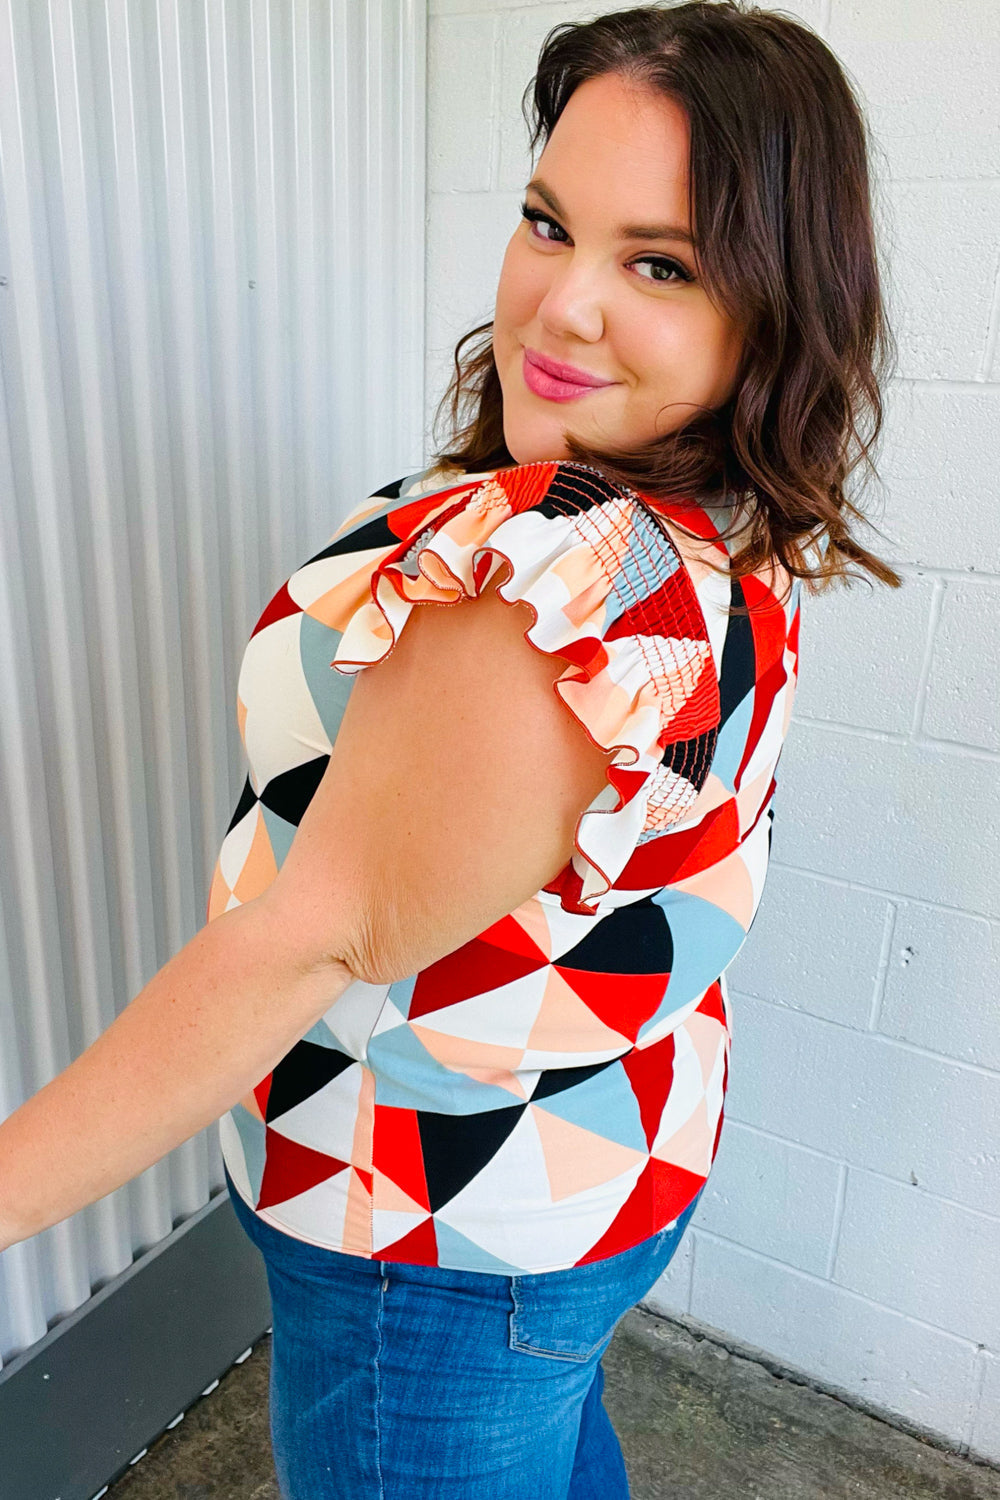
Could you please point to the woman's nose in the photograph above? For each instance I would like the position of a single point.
(573, 304)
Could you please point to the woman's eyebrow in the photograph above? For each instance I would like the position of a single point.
(624, 231)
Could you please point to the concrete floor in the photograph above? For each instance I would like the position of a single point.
(695, 1423)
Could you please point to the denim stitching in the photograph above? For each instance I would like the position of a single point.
(516, 1342)
(378, 1389)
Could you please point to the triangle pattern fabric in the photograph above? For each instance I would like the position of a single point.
(551, 1092)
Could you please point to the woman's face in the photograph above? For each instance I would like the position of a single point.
(631, 310)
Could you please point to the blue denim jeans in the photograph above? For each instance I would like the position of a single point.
(391, 1381)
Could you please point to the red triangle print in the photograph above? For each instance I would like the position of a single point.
(673, 1187)
(650, 1072)
(397, 1133)
(766, 690)
(678, 856)
(701, 711)
(262, 1092)
(661, 1194)
(711, 1004)
(568, 886)
(526, 485)
(626, 782)
(408, 520)
(459, 975)
(510, 937)
(718, 1130)
(632, 1223)
(622, 1001)
(484, 564)
(672, 609)
(291, 1168)
(586, 652)
(419, 1247)
(280, 606)
(691, 515)
(793, 633)
(767, 620)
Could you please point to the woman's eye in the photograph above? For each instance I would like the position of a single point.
(537, 217)
(658, 262)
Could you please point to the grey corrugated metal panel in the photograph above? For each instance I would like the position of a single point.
(210, 350)
(409, 84)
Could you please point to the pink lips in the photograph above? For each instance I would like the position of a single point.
(550, 378)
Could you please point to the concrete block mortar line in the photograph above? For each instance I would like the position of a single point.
(496, 68)
(933, 618)
(992, 328)
(872, 890)
(838, 1219)
(957, 747)
(952, 385)
(882, 968)
(961, 179)
(784, 1140)
(670, 1329)
(979, 1367)
(964, 575)
(881, 1036)
(899, 737)
(848, 1292)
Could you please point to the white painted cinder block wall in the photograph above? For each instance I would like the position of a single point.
(851, 1223)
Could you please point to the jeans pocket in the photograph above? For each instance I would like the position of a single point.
(572, 1314)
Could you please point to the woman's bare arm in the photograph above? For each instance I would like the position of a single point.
(207, 1027)
(451, 796)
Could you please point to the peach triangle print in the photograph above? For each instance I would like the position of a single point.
(577, 1159)
(565, 1024)
(389, 1197)
(335, 606)
(259, 867)
(457, 1052)
(690, 1147)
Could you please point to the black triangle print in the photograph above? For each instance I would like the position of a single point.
(692, 759)
(391, 491)
(575, 489)
(247, 799)
(301, 1073)
(349, 541)
(633, 939)
(558, 1080)
(456, 1147)
(289, 794)
(374, 532)
(738, 672)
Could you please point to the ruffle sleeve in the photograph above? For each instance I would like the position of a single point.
(610, 594)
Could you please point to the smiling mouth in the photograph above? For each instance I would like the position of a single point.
(551, 388)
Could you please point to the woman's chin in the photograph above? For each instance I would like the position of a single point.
(534, 448)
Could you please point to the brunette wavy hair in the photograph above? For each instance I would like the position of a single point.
(786, 246)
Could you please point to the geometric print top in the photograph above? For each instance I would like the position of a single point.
(551, 1092)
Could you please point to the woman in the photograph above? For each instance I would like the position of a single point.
(461, 998)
